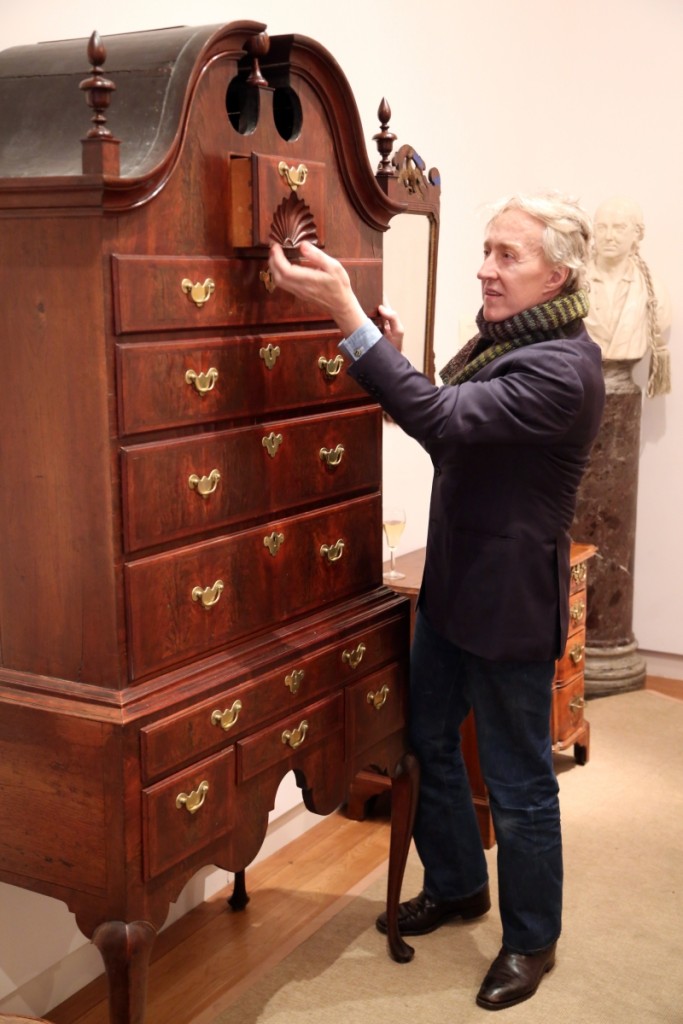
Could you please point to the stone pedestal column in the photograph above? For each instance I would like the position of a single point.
(606, 517)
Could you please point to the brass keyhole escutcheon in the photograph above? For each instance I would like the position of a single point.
(194, 800)
(332, 456)
(271, 443)
(199, 293)
(226, 719)
(270, 355)
(354, 658)
(267, 278)
(202, 382)
(294, 680)
(204, 485)
(274, 542)
(209, 596)
(331, 367)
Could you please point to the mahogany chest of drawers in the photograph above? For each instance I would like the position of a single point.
(191, 597)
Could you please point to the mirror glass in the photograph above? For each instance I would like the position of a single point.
(406, 283)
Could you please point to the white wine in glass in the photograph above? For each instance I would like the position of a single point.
(394, 523)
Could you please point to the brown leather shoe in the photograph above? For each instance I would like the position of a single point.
(514, 977)
(422, 915)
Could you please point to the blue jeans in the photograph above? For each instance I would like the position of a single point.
(512, 706)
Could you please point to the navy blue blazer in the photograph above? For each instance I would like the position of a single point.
(509, 448)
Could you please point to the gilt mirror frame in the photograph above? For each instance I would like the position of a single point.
(403, 177)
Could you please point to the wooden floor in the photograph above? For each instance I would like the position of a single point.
(195, 974)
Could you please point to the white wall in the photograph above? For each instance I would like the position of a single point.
(500, 97)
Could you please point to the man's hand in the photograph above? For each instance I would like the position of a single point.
(392, 328)
(323, 281)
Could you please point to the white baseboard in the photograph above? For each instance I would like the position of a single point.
(668, 666)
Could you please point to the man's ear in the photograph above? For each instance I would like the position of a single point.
(556, 280)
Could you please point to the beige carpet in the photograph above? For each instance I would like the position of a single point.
(621, 954)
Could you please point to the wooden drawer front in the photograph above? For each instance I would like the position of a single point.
(273, 466)
(375, 708)
(578, 577)
(572, 661)
(568, 705)
(322, 556)
(197, 731)
(153, 293)
(166, 384)
(187, 811)
(265, 207)
(292, 738)
(577, 612)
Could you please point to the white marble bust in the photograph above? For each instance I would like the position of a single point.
(629, 309)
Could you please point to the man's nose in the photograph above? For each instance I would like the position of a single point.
(487, 269)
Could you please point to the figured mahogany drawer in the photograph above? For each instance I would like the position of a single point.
(190, 601)
(292, 737)
(173, 383)
(568, 705)
(187, 811)
(172, 293)
(572, 661)
(274, 200)
(375, 708)
(181, 487)
(239, 709)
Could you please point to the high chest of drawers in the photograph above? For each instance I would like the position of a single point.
(191, 598)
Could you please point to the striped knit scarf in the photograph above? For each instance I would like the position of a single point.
(540, 323)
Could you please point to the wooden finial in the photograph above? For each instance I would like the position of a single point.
(100, 148)
(384, 139)
(257, 46)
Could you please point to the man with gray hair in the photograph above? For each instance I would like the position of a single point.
(509, 436)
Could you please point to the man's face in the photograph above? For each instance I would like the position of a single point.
(616, 230)
(515, 274)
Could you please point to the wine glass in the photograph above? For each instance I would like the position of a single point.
(393, 523)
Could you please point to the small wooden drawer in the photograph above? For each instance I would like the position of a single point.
(577, 611)
(196, 731)
(275, 200)
(187, 811)
(292, 738)
(568, 706)
(173, 489)
(375, 708)
(572, 661)
(166, 384)
(180, 293)
(190, 601)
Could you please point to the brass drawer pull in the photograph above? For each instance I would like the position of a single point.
(209, 596)
(579, 573)
(294, 176)
(271, 443)
(197, 292)
(332, 367)
(274, 542)
(332, 552)
(226, 719)
(378, 699)
(577, 611)
(294, 737)
(269, 355)
(268, 282)
(354, 658)
(204, 485)
(202, 382)
(576, 705)
(194, 800)
(332, 456)
(576, 654)
(294, 680)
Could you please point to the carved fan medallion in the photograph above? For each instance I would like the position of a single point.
(293, 223)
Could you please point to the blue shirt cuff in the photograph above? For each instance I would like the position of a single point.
(361, 341)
